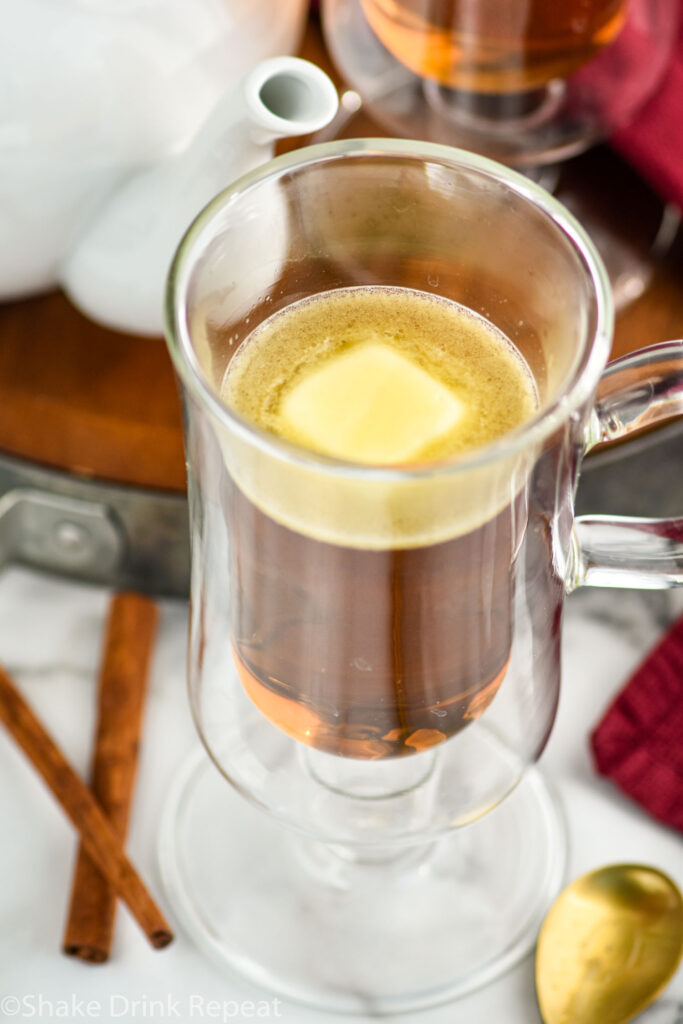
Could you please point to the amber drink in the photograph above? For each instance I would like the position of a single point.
(379, 634)
(494, 46)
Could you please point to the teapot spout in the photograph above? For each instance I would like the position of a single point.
(286, 97)
(116, 273)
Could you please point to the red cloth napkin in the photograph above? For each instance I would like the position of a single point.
(653, 141)
(639, 742)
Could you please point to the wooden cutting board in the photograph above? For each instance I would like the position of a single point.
(105, 405)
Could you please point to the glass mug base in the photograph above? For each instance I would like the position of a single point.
(319, 924)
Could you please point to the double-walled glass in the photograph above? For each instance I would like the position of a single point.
(375, 651)
(527, 82)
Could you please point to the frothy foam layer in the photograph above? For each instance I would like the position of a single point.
(383, 376)
(380, 376)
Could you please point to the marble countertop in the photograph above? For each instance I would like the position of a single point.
(50, 639)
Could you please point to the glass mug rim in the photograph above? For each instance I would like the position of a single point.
(532, 432)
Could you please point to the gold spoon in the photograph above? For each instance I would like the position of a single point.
(610, 944)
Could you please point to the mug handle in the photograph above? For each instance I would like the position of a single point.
(635, 391)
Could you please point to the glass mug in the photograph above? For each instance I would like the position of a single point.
(487, 46)
(526, 82)
(374, 651)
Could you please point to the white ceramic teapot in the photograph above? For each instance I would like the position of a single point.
(121, 119)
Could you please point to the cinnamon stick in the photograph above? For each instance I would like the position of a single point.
(131, 628)
(78, 803)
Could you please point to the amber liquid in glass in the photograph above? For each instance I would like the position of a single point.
(494, 46)
(369, 648)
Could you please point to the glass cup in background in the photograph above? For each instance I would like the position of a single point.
(530, 83)
(484, 46)
(375, 652)
(527, 82)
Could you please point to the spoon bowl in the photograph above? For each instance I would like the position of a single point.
(609, 945)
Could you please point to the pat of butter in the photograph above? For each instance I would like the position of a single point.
(370, 404)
